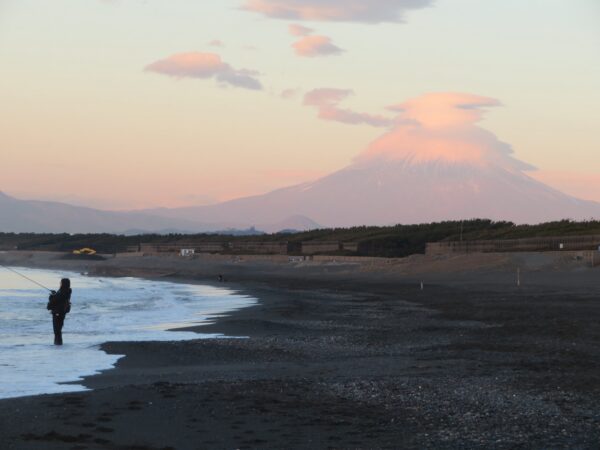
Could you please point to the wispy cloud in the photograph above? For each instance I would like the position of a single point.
(326, 101)
(444, 109)
(367, 11)
(442, 127)
(433, 127)
(299, 30)
(205, 66)
(311, 46)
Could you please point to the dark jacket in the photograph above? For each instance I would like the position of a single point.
(60, 302)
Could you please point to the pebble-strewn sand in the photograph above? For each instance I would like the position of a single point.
(347, 356)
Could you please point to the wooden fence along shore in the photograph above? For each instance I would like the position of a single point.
(546, 244)
(549, 244)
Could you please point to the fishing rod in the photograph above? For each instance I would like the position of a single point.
(26, 277)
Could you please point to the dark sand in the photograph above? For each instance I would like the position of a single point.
(347, 356)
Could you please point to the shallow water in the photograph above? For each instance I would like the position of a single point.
(104, 309)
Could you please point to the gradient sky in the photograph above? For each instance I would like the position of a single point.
(144, 103)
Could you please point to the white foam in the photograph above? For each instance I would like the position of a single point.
(104, 309)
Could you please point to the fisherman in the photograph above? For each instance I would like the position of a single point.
(59, 304)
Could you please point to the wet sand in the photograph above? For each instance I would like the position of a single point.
(347, 356)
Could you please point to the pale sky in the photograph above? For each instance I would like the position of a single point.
(146, 103)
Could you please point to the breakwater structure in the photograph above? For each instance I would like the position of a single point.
(586, 248)
(541, 244)
(578, 247)
(187, 248)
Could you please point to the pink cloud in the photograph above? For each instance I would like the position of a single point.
(311, 46)
(299, 30)
(368, 11)
(205, 66)
(444, 109)
(326, 101)
(441, 128)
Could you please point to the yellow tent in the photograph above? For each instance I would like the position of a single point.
(85, 251)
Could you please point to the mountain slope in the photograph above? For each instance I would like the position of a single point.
(39, 216)
(434, 164)
(24, 216)
(395, 192)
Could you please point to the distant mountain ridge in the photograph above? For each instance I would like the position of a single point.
(23, 216)
(391, 192)
(377, 192)
(43, 216)
(433, 164)
(374, 192)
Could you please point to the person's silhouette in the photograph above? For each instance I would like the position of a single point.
(59, 304)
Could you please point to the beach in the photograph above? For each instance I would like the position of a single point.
(344, 354)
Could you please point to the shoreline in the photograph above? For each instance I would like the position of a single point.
(178, 329)
(342, 357)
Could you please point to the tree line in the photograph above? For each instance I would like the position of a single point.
(391, 241)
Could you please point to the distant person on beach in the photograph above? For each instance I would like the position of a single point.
(59, 304)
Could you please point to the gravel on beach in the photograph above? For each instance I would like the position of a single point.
(358, 362)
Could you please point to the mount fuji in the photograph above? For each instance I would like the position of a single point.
(433, 164)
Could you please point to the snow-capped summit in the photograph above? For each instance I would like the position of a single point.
(434, 164)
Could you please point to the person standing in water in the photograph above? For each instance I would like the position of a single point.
(59, 304)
